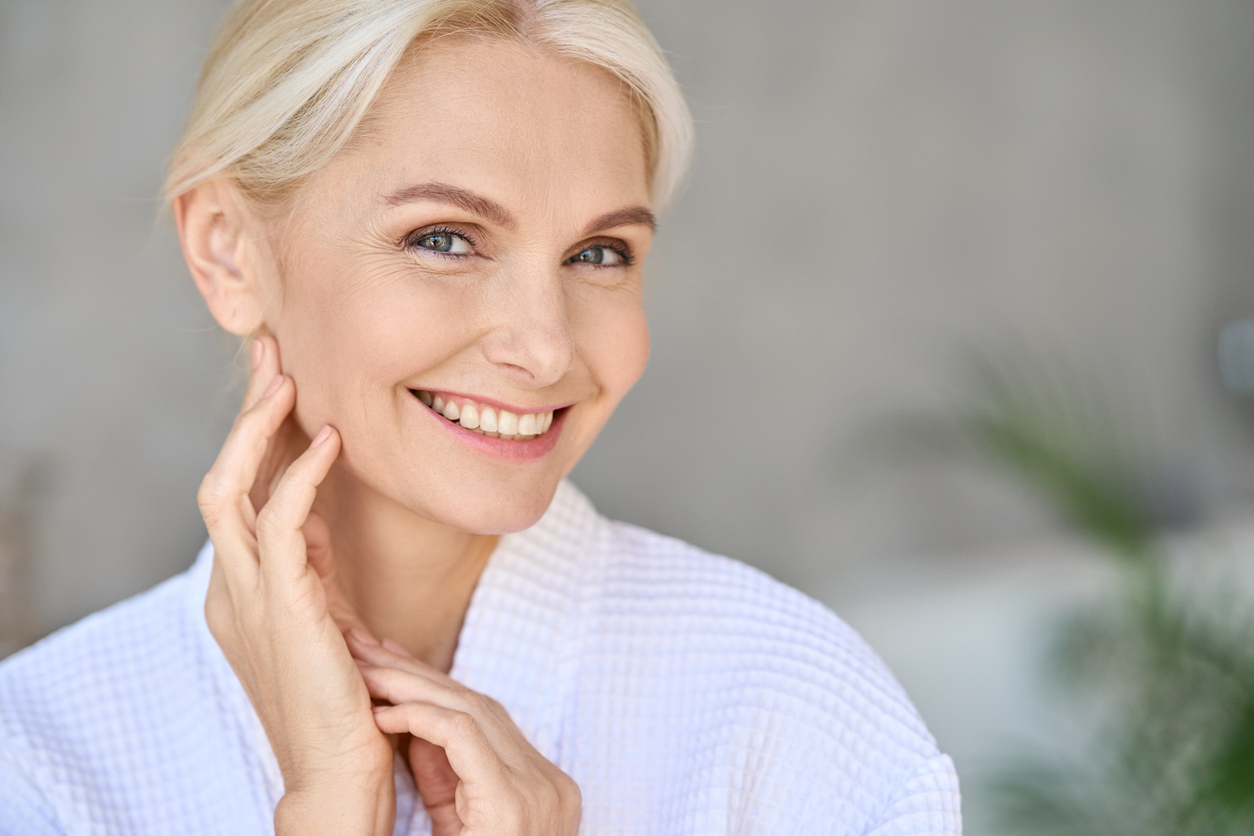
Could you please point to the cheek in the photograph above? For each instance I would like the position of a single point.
(615, 340)
(350, 342)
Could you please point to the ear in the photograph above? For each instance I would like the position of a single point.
(220, 236)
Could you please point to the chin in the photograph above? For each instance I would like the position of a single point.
(496, 509)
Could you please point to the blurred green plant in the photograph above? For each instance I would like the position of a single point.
(1166, 670)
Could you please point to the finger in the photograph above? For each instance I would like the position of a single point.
(280, 539)
(390, 654)
(392, 646)
(456, 732)
(437, 784)
(319, 556)
(369, 650)
(358, 635)
(266, 365)
(404, 678)
(271, 463)
(399, 687)
(396, 685)
(223, 495)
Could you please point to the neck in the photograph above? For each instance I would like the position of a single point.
(409, 578)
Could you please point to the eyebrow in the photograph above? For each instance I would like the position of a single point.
(487, 208)
(622, 217)
(461, 198)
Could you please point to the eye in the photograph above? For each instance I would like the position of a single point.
(602, 255)
(444, 241)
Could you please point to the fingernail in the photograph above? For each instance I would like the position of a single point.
(323, 435)
(388, 644)
(361, 635)
(259, 351)
(274, 386)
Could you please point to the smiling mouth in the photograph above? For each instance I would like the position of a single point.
(486, 420)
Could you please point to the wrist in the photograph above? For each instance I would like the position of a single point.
(345, 807)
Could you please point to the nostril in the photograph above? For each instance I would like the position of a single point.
(535, 352)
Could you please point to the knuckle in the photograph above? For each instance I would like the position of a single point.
(538, 806)
(241, 424)
(210, 498)
(568, 791)
(477, 702)
(463, 725)
(573, 806)
(548, 796)
(302, 470)
(252, 414)
(219, 617)
(269, 522)
(252, 420)
(213, 617)
(210, 489)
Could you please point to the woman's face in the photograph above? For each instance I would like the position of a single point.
(479, 244)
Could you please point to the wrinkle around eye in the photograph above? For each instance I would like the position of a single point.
(616, 277)
(436, 262)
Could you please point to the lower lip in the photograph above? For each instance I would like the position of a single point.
(504, 448)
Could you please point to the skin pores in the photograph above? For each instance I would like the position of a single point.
(481, 236)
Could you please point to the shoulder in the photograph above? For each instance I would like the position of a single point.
(743, 682)
(71, 705)
(730, 620)
(665, 575)
(114, 657)
(126, 717)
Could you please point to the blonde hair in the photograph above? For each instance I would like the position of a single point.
(287, 82)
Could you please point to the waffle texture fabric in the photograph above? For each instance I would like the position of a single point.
(685, 693)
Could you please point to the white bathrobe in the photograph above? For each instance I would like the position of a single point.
(685, 693)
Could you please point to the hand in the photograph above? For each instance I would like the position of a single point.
(476, 773)
(269, 610)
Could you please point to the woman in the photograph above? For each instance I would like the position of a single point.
(431, 218)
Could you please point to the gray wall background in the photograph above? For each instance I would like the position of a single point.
(879, 185)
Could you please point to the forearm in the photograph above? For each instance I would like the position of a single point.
(364, 810)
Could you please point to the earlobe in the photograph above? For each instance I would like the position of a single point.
(216, 230)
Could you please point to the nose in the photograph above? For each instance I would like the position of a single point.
(531, 339)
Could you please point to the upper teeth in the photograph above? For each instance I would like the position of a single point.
(487, 420)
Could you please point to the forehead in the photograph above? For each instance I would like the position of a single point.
(508, 121)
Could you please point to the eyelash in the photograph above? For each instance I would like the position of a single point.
(623, 251)
(411, 240)
(411, 243)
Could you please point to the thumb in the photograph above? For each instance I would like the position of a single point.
(437, 784)
(320, 556)
(318, 546)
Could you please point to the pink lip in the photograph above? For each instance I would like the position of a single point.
(502, 448)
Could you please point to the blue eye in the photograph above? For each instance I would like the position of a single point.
(599, 255)
(444, 241)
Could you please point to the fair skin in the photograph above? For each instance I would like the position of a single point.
(480, 241)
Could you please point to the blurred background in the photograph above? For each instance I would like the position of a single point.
(949, 332)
